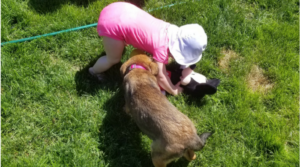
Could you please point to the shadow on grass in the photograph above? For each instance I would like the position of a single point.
(138, 3)
(86, 84)
(121, 140)
(48, 6)
(196, 101)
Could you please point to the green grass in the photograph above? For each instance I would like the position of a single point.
(54, 114)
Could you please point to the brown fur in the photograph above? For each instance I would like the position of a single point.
(173, 133)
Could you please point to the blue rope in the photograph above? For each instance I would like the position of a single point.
(74, 29)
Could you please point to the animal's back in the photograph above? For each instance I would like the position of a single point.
(153, 112)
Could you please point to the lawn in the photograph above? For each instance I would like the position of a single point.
(54, 114)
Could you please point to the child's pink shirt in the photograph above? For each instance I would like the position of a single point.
(126, 22)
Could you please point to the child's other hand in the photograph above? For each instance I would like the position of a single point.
(178, 89)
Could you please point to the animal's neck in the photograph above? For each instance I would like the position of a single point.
(133, 66)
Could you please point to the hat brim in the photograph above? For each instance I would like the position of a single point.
(177, 54)
(174, 48)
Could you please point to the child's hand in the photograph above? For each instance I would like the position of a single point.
(179, 89)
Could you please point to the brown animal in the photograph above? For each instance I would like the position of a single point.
(173, 134)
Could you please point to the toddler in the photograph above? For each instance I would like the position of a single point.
(122, 23)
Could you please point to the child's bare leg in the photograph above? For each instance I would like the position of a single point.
(114, 49)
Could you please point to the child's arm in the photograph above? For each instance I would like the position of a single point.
(165, 81)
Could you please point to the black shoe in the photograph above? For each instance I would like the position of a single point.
(201, 89)
(99, 77)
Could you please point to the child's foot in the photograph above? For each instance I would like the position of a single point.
(99, 76)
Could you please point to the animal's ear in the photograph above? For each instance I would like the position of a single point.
(136, 52)
(154, 68)
(123, 69)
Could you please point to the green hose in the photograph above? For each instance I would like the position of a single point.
(50, 34)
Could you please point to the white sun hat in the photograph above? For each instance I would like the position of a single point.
(187, 43)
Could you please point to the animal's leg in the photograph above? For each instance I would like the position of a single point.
(158, 160)
(166, 155)
(157, 152)
(189, 155)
